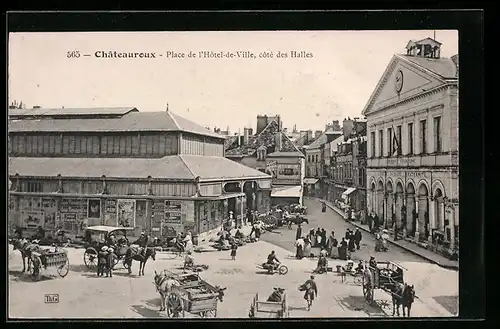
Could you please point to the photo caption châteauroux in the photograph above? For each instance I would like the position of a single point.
(117, 54)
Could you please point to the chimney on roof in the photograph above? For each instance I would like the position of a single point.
(277, 145)
(247, 132)
(167, 108)
(39, 107)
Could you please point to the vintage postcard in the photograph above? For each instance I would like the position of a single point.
(278, 174)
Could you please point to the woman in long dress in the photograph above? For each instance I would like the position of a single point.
(307, 247)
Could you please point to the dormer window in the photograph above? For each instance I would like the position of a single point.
(261, 154)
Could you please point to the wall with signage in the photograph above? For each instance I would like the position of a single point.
(73, 214)
(110, 211)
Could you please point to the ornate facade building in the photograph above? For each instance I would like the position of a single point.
(152, 171)
(412, 175)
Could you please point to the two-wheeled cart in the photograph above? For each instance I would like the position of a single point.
(267, 309)
(383, 277)
(194, 295)
(47, 258)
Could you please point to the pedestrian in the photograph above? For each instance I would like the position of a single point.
(376, 222)
(334, 253)
(311, 291)
(370, 221)
(307, 247)
(347, 234)
(110, 262)
(323, 207)
(357, 238)
(298, 235)
(102, 260)
(351, 243)
(234, 247)
(343, 249)
(311, 235)
(299, 245)
(323, 238)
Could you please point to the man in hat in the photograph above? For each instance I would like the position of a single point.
(311, 290)
(102, 258)
(143, 243)
(357, 238)
(110, 262)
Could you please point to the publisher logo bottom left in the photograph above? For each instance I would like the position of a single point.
(51, 298)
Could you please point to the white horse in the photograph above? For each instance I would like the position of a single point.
(164, 284)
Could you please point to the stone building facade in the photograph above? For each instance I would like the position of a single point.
(412, 175)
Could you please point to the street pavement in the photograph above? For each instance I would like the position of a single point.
(437, 286)
(84, 295)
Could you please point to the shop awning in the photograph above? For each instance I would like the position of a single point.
(287, 192)
(310, 181)
(348, 191)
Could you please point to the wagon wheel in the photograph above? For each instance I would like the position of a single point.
(36, 267)
(209, 314)
(175, 307)
(63, 270)
(283, 270)
(90, 258)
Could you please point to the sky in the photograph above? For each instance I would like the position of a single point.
(333, 84)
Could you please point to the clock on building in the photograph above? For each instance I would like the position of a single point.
(399, 81)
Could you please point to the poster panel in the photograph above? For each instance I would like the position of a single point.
(94, 208)
(32, 219)
(126, 213)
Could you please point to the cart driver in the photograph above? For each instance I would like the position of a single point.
(111, 239)
(143, 243)
(272, 259)
(359, 268)
(373, 262)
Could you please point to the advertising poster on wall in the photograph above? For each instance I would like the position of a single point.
(49, 209)
(94, 208)
(32, 219)
(110, 213)
(140, 214)
(126, 213)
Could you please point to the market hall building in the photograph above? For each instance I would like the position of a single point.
(412, 165)
(153, 171)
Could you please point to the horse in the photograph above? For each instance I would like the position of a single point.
(164, 284)
(25, 247)
(134, 254)
(402, 295)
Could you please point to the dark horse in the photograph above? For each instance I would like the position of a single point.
(135, 254)
(25, 247)
(402, 295)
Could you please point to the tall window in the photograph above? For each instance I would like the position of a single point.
(373, 143)
(389, 142)
(398, 138)
(423, 136)
(410, 138)
(437, 135)
(381, 142)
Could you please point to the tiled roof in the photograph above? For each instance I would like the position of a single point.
(285, 154)
(170, 167)
(211, 167)
(96, 111)
(132, 121)
(444, 67)
(266, 138)
(322, 139)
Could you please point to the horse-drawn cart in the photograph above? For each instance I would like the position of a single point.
(386, 276)
(98, 236)
(45, 258)
(192, 295)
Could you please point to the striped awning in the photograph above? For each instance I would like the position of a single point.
(348, 191)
